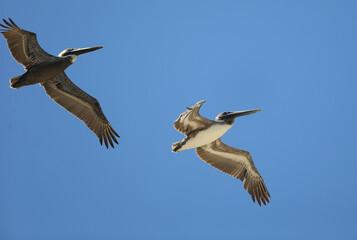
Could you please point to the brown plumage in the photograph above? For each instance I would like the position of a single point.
(233, 161)
(238, 164)
(64, 92)
(191, 120)
(48, 71)
(23, 45)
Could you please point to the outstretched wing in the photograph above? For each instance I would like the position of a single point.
(23, 45)
(64, 92)
(190, 120)
(238, 164)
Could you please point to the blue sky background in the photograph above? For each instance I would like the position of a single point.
(294, 59)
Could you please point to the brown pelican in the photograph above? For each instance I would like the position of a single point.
(48, 71)
(204, 135)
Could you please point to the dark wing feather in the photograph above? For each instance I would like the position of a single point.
(23, 45)
(190, 120)
(238, 164)
(64, 92)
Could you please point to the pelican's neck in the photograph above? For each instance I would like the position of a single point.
(74, 57)
(64, 53)
(71, 57)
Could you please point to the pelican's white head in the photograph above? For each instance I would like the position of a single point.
(74, 52)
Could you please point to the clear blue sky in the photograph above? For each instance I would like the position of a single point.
(296, 60)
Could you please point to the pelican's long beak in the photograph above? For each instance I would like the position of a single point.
(241, 113)
(79, 51)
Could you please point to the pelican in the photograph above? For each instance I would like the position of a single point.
(204, 135)
(48, 71)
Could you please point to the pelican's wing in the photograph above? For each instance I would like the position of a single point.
(238, 164)
(23, 45)
(64, 92)
(190, 120)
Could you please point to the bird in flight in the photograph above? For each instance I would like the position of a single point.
(48, 70)
(205, 135)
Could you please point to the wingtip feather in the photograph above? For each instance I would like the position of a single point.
(8, 23)
(116, 134)
(14, 24)
(7, 28)
(105, 138)
(112, 135)
(109, 137)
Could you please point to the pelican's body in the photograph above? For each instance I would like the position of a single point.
(42, 72)
(48, 71)
(204, 135)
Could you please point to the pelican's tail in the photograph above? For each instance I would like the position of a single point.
(176, 146)
(21, 81)
(16, 82)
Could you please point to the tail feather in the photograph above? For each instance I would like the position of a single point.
(176, 146)
(16, 82)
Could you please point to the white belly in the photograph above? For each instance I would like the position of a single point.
(206, 136)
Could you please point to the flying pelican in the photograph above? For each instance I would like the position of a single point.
(48, 71)
(204, 135)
